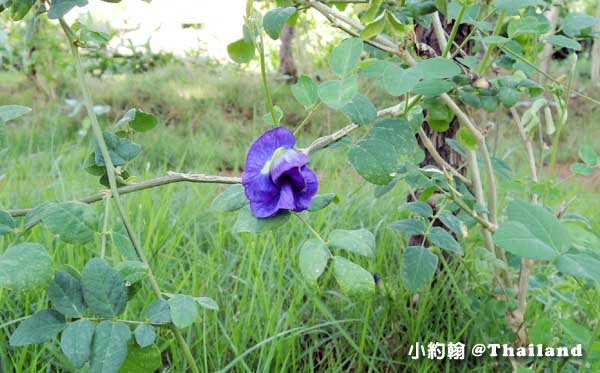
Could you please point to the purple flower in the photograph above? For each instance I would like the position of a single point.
(276, 177)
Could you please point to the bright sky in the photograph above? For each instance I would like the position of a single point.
(162, 19)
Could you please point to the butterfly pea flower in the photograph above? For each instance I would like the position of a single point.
(276, 176)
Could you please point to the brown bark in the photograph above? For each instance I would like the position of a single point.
(546, 55)
(427, 37)
(287, 67)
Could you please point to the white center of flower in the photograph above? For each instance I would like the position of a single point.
(267, 167)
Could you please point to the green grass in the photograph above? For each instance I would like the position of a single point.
(269, 318)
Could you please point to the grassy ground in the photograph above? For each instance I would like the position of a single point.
(269, 319)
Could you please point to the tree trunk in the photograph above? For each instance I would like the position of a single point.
(287, 67)
(454, 159)
(595, 73)
(546, 55)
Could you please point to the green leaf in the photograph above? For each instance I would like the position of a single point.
(374, 28)
(145, 335)
(345, 56)
(575, 24)
(66, 295)
(35, 216)
(501, 168)
(541, 331)
(515, 238)
(581, 169)
(38, 328)
(275, 19)
(409, 226)
(59, 8)
(562, 41)
(512, 7)
(122, 242)
(508, 96)
(398, 26)
(25, 266)
(92, 38)
(109, 347)
(444, 240)
(241, 51)
(453, 223)
(268, 117)
(588, 155)
(159, 312)
(246, 222)
(7, 223)
(397, 81)
(10, 112)
(73, 222)
(437, 68)
(490, 103)
(19, 8)
(337, 93)
(352, 278)
(470, 99)
(306, 91)
(76, 342)
(360, 110)
(579, 265)
(313, 259)
(541, 223)
(208, 303)
(418, 267)
(90, 166)
(121, 150)
(359, 241)
(400, 134)
(372, 11)
(374, 160)
(432, 87)
(132, 271)
(142, 360)
(492, 39)
(439, 115)
(138, 120)
(232, 199)
(320, 201)
(419, 208)
(466, 138)
(579, 333)
(528, 25)
(372, 67)
(184, 310)
(103, 289)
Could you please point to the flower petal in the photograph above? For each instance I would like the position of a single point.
(264, 210)
(295, 177)
(262, 148)
(303, 197)
(263, 195)
(286, 161)
(286, 198)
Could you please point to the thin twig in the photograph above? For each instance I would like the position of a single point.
(438, 158)
(172, 177)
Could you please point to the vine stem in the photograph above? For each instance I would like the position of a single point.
(104, 228)
(172, 177)
(310, 228)
(305, 120)
(454, 30)
(263, 73)
(87, 99)
(483, 65)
